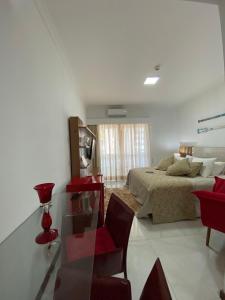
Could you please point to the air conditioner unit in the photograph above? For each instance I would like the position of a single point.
(116, 112)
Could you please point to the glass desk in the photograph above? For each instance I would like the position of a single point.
(72, 274)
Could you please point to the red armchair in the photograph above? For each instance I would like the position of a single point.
(111, 241)
(111, 288)
(212, 210)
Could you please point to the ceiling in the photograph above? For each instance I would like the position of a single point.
(112, 45)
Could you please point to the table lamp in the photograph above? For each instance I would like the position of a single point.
(186, 148)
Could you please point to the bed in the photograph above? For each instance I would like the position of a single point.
(169, 198)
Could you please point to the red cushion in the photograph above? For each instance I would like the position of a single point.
(78, 246)
(104, 242)
(219, 186)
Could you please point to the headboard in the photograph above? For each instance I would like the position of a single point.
(218, 152)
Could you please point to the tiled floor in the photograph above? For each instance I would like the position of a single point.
(193, 271)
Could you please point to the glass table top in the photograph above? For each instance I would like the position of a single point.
(71, 277)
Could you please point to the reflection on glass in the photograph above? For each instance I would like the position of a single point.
(79, 223)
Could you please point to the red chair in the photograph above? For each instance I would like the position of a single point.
(111, 288)
(111, 241)
(212, 211)
(156, 287)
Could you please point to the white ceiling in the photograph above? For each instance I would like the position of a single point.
(112, 45)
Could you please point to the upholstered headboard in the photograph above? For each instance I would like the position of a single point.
(218, 152)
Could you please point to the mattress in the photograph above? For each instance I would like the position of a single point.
(167, 198)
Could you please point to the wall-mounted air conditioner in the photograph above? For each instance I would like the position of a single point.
(116, 112)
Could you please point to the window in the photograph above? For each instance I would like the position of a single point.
(123, 147)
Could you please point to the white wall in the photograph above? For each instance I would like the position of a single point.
(36, 96)
(206, 105)
(162, 120)
(222, 21)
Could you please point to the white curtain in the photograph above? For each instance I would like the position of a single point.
(123, 147)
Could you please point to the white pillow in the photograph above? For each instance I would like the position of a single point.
(207, 168)
(178, 157)
(218, 168)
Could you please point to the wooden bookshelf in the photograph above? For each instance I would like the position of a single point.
(78, 132)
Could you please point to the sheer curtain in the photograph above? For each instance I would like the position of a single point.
(123, 147)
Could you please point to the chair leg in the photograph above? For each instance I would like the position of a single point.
(208, 236)
(222, 295)
(125, 272)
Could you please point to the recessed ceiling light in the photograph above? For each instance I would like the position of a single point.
(151, 80)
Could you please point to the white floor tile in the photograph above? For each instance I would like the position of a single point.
(195, 292)
(142, 229)
(193, 271)
(141, 258)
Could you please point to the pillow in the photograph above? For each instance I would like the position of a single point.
(219, 186)
(207, 168)
(179, 168)
(178, 157)
(218, 168)
(195, 168)
(165, 163)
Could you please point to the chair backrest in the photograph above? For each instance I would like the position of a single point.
(110, 288)
(119, 218)
(156, 287)
(212, 209)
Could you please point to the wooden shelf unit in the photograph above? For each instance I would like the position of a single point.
(77, 131)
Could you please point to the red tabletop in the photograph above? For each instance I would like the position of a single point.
(86, 183)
